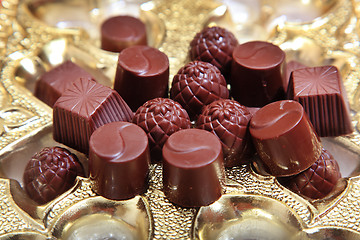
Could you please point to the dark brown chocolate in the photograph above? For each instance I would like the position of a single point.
(83, 107)
(159, 118)
(142, 74)
(120, 32)
(193, 168)
(229, 120)
(119, 160)
(53, 83)
(321, 92)
(257, 73)
(214, 45)
(317, 181)
(196, 85)
(290, 67)
(284, 138)
(51, 172)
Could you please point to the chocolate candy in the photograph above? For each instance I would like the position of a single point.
(83, 107)
(257, 73)
(53, 83)
(214, 45)
(120, 32)
(159, 118)
(142, 74)
(290, 67)
(321, 92)
(228, 120)
(193, 168)
(51, 172)
(196, 85)
(119, 160)
(284, 138)
(317, 181)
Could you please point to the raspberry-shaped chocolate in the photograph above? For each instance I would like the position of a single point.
(160, 117)
(196, 85)
(214, 45)
(50, 173)
(317, 181)
(228, 120)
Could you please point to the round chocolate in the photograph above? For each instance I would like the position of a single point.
(119, 160)
(257, 73)
(160, 117)
(193, 168)
(120, 32)
(214, 45)
(228, 120)
(51, 172)
(142, 74)
(196, 85)
(317, 181)
(284, 138)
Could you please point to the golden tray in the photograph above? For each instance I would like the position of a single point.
(36, 35)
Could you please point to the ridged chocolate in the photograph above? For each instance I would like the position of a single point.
(229, 121)
(159, 118)
(321, 92)
(290, 67)
(317, 181)
(51, 172)
(196, 85)
(83, 107)
(53, 83)
(214, 45)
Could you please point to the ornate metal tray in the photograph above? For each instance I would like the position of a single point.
(38, 34)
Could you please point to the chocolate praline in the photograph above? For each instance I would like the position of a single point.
(51, 172)
(196, 85)
(229, 121)
(159, 118)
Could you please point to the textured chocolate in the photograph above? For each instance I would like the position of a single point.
(257, 73)
(159, 118)
(214, 45)
(53, 83)
(317, 181)
(51, 172)
(119, 160)
(229, 121)
(142, 74)
(321, 92)
(290, 67)
(83, 107)
(193, 168)
(120, 32)
(196, 85)
(284, 138)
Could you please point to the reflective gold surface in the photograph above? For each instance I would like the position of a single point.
(39, 34)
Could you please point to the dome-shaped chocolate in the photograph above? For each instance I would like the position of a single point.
(214, 45)
(196, 85)
(317, 181)
(51, 172)
(228, 120)
(160, 117)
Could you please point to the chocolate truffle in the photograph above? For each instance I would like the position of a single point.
(51, 172)
(196, 85)
(159, 118)
(321, 92)
(119, 160)
(290, 67)
(53, 83)
(317, 181)
(257, 73)
(120, 32)
(228, 120)
(284, 138)
(214, 45)
(83, 107)
(142, 74)
(193, 168)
